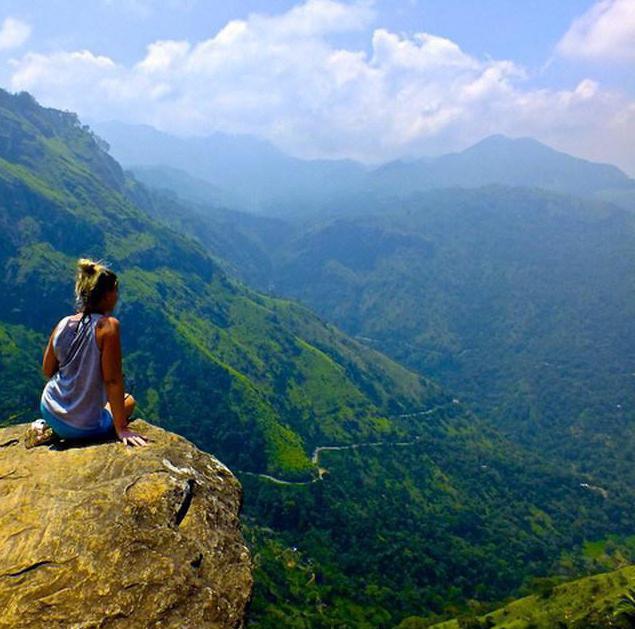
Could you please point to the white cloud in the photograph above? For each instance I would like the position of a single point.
(282, 78)
(605, 32)
(164, 55)
(69, 72)
(13, 33)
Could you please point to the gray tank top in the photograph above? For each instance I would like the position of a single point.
(76, 394)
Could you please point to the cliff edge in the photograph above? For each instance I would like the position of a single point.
(104, 535)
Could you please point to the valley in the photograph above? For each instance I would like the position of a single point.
(250, 334)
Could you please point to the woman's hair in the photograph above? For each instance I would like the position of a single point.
(92, 281)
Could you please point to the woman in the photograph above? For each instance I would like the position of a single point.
(84, 397)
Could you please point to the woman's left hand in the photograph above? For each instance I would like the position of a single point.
(132, 438)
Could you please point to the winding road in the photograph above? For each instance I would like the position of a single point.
(315, 458)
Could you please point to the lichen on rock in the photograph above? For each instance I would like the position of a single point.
(105, 535)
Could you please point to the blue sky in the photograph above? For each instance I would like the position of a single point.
(525, 31)
(322, 78)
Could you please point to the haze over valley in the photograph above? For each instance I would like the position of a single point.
(385, 278)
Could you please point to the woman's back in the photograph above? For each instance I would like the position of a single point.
(76, 394)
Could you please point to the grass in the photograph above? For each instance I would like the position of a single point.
(584, 603)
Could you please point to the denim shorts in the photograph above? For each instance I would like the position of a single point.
(66, 431)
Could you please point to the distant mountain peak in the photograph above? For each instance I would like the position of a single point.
(495, 138)
(251, 174)
(501, 141)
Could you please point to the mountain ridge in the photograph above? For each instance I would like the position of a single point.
(261, 381)
(64, 197)
(311, 186)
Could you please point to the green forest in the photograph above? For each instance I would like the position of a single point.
(475, 475)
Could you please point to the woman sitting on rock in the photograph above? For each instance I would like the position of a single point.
(84, 397)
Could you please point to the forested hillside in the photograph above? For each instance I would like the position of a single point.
(517, 300)
(263, 380)
(423, 508)
(605, 600)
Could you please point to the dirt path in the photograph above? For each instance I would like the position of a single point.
(315, 458)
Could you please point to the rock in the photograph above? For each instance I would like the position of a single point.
(105, 535)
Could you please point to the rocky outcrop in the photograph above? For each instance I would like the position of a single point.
(105, 535)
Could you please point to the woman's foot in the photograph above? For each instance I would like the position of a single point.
(38, 434)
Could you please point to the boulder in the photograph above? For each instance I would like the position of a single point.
(106, 535)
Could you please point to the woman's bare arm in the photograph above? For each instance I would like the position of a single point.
(50, 364)
(113, 379)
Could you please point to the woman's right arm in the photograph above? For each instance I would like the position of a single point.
(113, 379)
(49, 361)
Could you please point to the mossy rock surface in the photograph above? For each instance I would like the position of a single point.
(104, 535)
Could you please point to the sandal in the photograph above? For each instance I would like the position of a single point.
(38, 433)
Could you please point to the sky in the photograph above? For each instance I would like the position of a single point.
(372, 80)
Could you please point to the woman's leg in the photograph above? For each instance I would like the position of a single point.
(129, 404)
(66, 431)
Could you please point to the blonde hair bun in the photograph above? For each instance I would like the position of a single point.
(87, 266)
(92, 281)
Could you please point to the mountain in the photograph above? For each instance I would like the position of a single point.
(253, 175)
(93, 537)
(497, 159)
(179, 182)
(240, 242)
(254, 365)
(250, 173)
(369, 492)
(517, 300)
